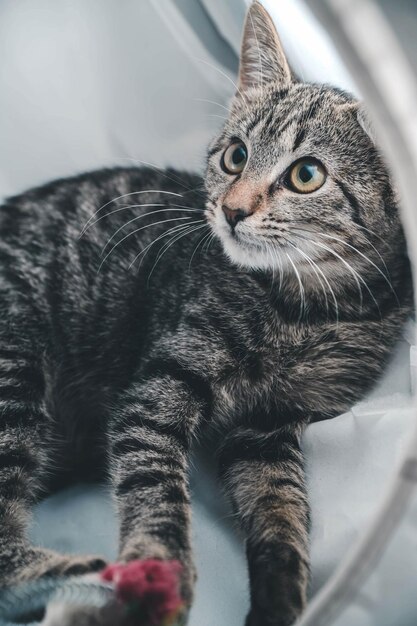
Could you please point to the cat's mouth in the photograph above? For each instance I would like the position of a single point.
(254, 241)
(257, 244)
(247, 247)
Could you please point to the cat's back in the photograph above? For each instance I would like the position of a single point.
(85, 195)
(55, 289)
(84, 210)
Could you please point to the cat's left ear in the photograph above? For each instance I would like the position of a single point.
(361, 114)
(365, 122)
(262, 58)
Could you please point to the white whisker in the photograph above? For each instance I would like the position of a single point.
(300, 284)
(217, 69)
(207, 245)
(171, 243)
(135, 206)
(166, 233)
(204, 238)
(374, 234)
(357, 276)
(271, 251)
(220, 117)
(213, 102)
(116, 245)
(170, 177)
(364, 256)
(315, 269)
(125, 195)
(123, 208)
(314, 231)
(378, 253)
(280, 268)
(138, 217)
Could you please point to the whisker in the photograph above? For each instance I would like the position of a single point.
(364, 256)
(302, 292)
(167, 244)
(207, 245)
(280, 268)
(315, 269)
(378, 253)
(166, 233)
(125, 195)
(204, 238)
(326, 280)
(374, 234)
(217, 69)
(138, 217)
(171, 177)
(135, 206)
(271, 252)
(171, 243)
(116, 245)
(213, 102)
(123, 208)
(221, 117)
(313, 230)
(354, 273)
(185, 206)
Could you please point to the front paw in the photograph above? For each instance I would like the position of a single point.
(144, 592)
(187, 575)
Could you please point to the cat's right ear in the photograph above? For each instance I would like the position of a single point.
(262, 58)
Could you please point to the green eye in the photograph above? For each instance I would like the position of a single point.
(235, 158)
(306, 176)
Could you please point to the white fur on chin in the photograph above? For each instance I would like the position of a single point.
(273, 257)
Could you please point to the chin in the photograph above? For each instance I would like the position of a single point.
(250, 255)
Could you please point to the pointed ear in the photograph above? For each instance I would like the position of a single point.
(262, 58)
(366, 124)
(359, 111)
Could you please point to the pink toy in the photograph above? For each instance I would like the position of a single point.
(148, 589)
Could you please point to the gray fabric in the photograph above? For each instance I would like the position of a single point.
(350, 461)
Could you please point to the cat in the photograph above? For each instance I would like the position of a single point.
(141, 309)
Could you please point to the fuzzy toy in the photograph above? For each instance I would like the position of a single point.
(139, 593)
(148, 590)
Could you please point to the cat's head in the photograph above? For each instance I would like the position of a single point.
(294, 178)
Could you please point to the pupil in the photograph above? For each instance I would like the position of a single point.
(238, 155)
(306, 173)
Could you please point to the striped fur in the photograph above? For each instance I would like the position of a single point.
(121, 346)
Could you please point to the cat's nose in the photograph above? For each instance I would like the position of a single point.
(233, 216)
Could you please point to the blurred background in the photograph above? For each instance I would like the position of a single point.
(88, 83)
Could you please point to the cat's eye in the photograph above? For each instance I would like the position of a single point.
(235, 158)
(305, 176)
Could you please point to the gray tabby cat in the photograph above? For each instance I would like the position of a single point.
(287, 317)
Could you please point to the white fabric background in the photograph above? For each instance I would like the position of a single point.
(85, 84)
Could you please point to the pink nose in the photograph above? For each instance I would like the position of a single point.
(233, 216)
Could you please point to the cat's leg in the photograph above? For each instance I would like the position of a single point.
(149, 440)
(264, 478)
(24, 426)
